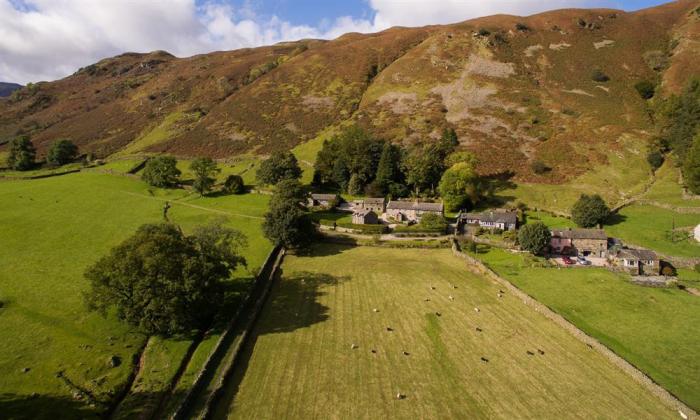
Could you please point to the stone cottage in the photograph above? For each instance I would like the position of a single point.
(637, 262)
(584, 242)
(377, 205)
(504, 220)
(412, 211)
(365, 217)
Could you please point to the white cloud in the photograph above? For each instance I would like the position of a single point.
(48, 39)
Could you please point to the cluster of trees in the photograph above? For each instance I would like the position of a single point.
(680, 134)
(357, 163)
(22, 153)
(287, 222)
(162, 172)
(280, 166)
(163, 281)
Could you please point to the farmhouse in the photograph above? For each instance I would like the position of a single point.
(593, 242)
(322, 200)
(638, 262)
(365, 217)
(377, 205)
(412, 211)
(504, 220)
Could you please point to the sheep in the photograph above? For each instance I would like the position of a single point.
(501, 291)
(438, 314)
(374, 351)
(530, 353)
(478, 329)
(483, 359)
(683, 415)
(353, 346)
(499, 295)
(540, 351)
(427, 299)
(400, 396)
(476, 309)
(375, 310)
(389, 329)
(432, 287)
(450, 297)
(405, 353)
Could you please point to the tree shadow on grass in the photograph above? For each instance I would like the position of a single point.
(293, 304)
(615, 219)
(328, 247)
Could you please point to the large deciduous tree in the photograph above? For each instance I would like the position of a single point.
(534, 238)
(161, 171)
(590, 211)
(286, 222)
(61, 152)
(204, 171)
(22, 153)
(165, 282)
(460, 187)
(280, 166)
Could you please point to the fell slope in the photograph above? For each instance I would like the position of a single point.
(517, 90)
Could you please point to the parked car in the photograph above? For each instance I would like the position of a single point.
(567, 260)
(583, 261)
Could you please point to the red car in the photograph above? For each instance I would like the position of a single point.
(567, 260)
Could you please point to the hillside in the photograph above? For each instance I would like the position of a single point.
(517, 90)
(6, 89)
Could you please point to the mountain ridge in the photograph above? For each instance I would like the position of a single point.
(516, 89)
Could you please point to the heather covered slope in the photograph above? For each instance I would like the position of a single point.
(517, 90)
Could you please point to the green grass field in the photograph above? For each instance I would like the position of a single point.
(651, 227)
(51, 230)
(657, 330)
(301, 364)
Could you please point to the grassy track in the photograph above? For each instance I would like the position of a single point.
(50, 230)
(657, 330)
(302, 364)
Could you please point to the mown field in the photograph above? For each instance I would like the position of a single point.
(458, 364)
(657, 330)
(51, 230)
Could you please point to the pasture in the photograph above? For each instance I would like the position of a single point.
(320, 350)
(54, 357)
(655, 329)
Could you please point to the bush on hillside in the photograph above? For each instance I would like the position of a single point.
(645, 89)
(691, 167)
(484, 32)
(599, 76)
(540, 168)
(655, 159)
(522, 27)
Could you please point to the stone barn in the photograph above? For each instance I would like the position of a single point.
(377, 205)
(322, 200)
(638, 262)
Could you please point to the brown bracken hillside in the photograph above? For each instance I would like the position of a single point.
(557, 87)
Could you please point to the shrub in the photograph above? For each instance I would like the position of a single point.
(645, 89)
(497, 231)
(697, 268)
(540, 167)
(668, 271)
(234, 185)
(432, 221)
(599, 76)
(655, 159)
(484, 32)
(522, 27)
(61, 152)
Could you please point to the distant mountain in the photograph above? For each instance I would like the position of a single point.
(556, 88)
(6, 89)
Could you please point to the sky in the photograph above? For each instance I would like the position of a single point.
(50, 39)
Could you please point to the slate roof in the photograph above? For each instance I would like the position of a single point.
(639, 254)
(373, 200)
(508, 217)
(580, 234)
(324, 197)
(412, 205)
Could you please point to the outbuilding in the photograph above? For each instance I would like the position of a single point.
(365, 217)
(584, 242)
(638, 262)
(412, 211)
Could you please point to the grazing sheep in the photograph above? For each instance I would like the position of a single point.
(500, 291)
(400, 396)
(389, 329)
(483, 359)
(353, 346)
(683, 415)
(405, 353)
(540, 351)
(374, 351)
(375, 310)
(530, 353)
(427, 299)
(450, 297)
(476, 309)
(438, 314)
(499, 295)
(478, 329)
(432, 287)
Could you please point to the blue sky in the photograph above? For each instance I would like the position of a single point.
(49, 39)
